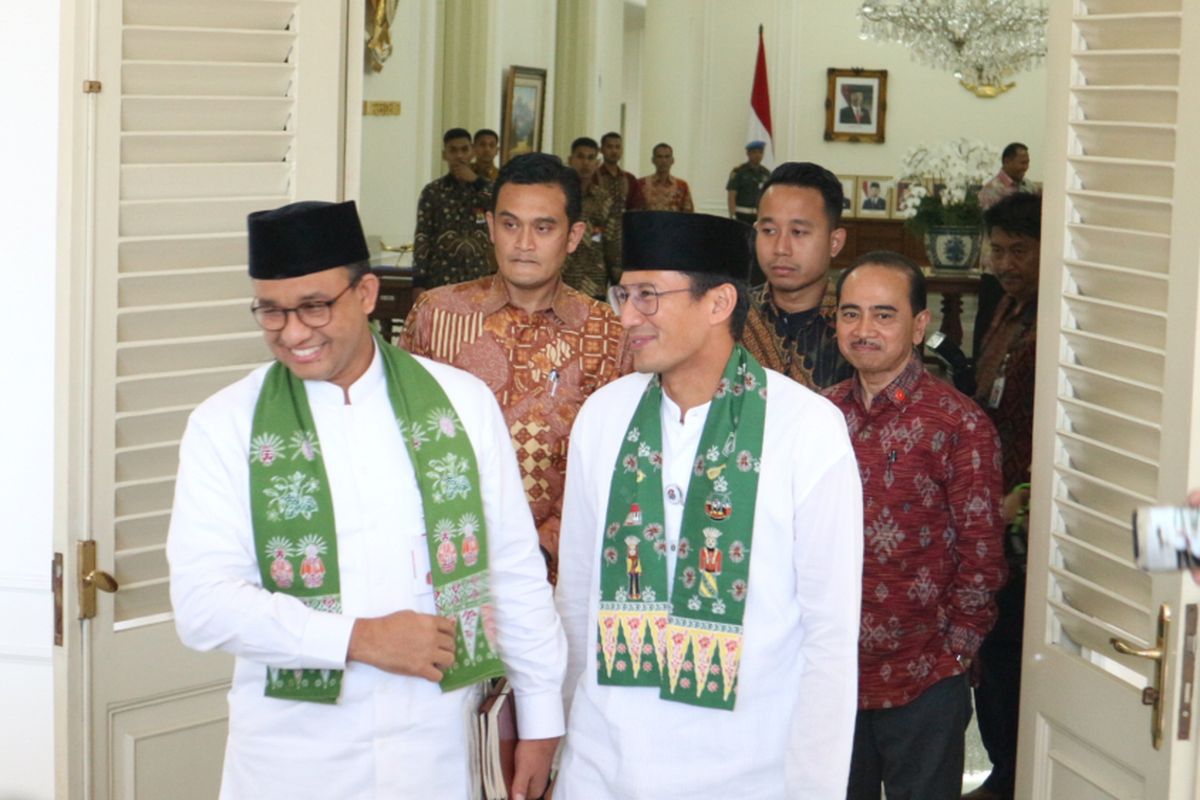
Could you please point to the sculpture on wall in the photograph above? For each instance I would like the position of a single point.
(380, 14)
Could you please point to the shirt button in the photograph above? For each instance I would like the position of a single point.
(672, 548)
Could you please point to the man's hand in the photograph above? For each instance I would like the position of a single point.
(1014, 503)
(463, 173)
(532, 768)
(404, 642)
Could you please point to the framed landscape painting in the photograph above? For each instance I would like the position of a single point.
(523, 112)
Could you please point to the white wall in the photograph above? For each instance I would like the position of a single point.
(399, 148)
(401, 154)
(684, 73)
(698, 66)
(28, 159)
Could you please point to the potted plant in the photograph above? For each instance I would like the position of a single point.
(942, 202)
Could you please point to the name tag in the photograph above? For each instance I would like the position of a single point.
(997, 393)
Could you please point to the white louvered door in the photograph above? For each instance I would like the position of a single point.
(1116, 407)
(209, 110)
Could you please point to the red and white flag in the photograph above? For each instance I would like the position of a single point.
(759, 128)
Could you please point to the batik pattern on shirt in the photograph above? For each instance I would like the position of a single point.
(802, 345)
(540, 366)
(1009, 350)
(672, 194)
(1001, 187)
(598, 255)
(933, 554)
(451, 243)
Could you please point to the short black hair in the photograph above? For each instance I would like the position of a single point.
(610, 135)
(1019, 214)
(890, 259)
(661, 144)
(703, 282)
(1011, 150)
(456, 133)
(584, 141)
(805, 174)
(486, 132)
(542, 168)
(357, 270)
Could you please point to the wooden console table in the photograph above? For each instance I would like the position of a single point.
(395, 299)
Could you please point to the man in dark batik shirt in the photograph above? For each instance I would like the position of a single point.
(597, 259)
(791, 324)
(452, 244)
(1004, 373)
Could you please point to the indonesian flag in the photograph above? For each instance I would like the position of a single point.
(759, 128)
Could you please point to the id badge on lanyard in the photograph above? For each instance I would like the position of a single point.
(997, 392)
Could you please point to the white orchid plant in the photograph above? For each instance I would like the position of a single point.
(945, 181)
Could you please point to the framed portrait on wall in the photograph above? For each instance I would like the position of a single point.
(904, 195)
(874, 196)
(848, 195)
(855, 105)
(523, 113)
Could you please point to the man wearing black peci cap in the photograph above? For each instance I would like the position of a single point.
(355, 537)
(731, 494)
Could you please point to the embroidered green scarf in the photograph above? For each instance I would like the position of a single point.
(691, 644)
(295, 533)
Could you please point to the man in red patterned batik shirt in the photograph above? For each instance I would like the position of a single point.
(933, 555)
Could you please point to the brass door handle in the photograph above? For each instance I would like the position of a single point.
(91, 579)
(1153, 695)
(1122, 646)
(101, 580)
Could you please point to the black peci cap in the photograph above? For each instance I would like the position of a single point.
(305, 237)
(673, 240)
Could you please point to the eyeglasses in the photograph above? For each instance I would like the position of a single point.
(313, 313)
(643, 296)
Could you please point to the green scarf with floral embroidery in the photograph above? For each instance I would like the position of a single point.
(689, 646)
(296, 538)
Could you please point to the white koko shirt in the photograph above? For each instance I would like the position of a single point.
(389, 736)
(790, 733)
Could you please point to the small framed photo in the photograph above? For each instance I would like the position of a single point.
(874, 196)
(849, 195)
(904, 195)
(856, 105)
(524, 109)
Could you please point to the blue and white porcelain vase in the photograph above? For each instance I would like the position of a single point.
(953, 247)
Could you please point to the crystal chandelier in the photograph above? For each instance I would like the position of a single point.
(982, 42)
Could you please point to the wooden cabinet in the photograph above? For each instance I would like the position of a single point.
(865, 235)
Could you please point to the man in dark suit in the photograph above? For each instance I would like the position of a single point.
(855, 113)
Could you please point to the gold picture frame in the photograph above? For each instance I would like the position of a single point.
(856, 105)
(524, 111)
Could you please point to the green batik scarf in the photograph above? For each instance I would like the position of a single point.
(689, 646)
(294, 531)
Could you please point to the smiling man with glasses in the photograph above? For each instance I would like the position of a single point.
(349, 523)
(711, 548)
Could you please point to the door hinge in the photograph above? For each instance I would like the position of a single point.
(91, 579)
(91, 87)
(56, 586)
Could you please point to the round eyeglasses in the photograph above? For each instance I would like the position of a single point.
(313, 313)
(643, 296)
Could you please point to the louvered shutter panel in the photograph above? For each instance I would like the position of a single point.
(1112, 338)
(207, 134)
